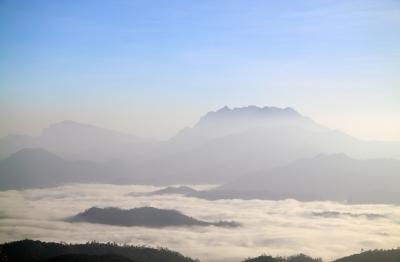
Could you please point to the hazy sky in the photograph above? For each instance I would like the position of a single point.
(153, 67)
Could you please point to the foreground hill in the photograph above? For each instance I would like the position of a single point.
(30, 251)
(34, 251)
(373, 256)
(297, 258)
(392, 255)
(143, 216)
(88, 258)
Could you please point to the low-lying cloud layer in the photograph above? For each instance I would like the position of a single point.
(272, 227)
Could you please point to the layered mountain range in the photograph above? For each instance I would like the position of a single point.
(253, 148)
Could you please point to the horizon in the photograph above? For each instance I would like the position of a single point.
(39, 131)
(248, 127)
(152, 68)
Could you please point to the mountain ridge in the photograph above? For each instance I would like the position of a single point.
(324, 177)
(142, 217)
(215, 151)
(78, 141)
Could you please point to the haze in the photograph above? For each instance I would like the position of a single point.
(153, 68)
(192, 131)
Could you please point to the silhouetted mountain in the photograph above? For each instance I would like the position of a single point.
(35, 167)
(229, 143)
(143, 216)
(373, 256)
(223, 146)
(336, 214)
(78, 141)
(296, 258)
(226, 121)
(392, 255)
(88, 258)
(180, 190)
(325, 177)
(30, 251)
(13, 143)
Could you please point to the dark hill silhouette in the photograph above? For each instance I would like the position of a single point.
(336, 214)
(296, 258)
(34, 251)
(143, 216)
(325, 177)
(88, 258)
(180, 190)
(392, 255)
(30, 251)
(35, 167)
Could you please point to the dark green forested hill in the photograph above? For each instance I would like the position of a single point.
(373, 256)
(88, 258)
(297, 258)
(30, 250)
(392, 255)
(37, 251)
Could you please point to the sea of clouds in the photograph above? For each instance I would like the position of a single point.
(321, 229)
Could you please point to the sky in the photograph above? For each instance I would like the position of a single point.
(151, 68)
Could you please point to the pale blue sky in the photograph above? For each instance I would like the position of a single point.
(153, 67)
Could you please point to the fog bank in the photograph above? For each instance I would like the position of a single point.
(272, 227)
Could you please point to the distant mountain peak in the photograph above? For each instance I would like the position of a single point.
(334, 159)
(225, 108)
(34, 154)
(227, 121)
(67, 122)
(70, 124)
(34, 150)
(250, 113)
(332, 156)
(86, 133)
(70, 128)
(254, 111)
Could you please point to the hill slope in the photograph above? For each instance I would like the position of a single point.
(35, 167)
(30, 251)
(373, 256)
(77, 141)
(88, 258)
(143, 216)
(223, 146)
(228, 143)
(325, 177)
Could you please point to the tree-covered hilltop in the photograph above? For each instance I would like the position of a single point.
(296, 258)
(392, 255)
(88, 258)
(37, 251)
(30, 250)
